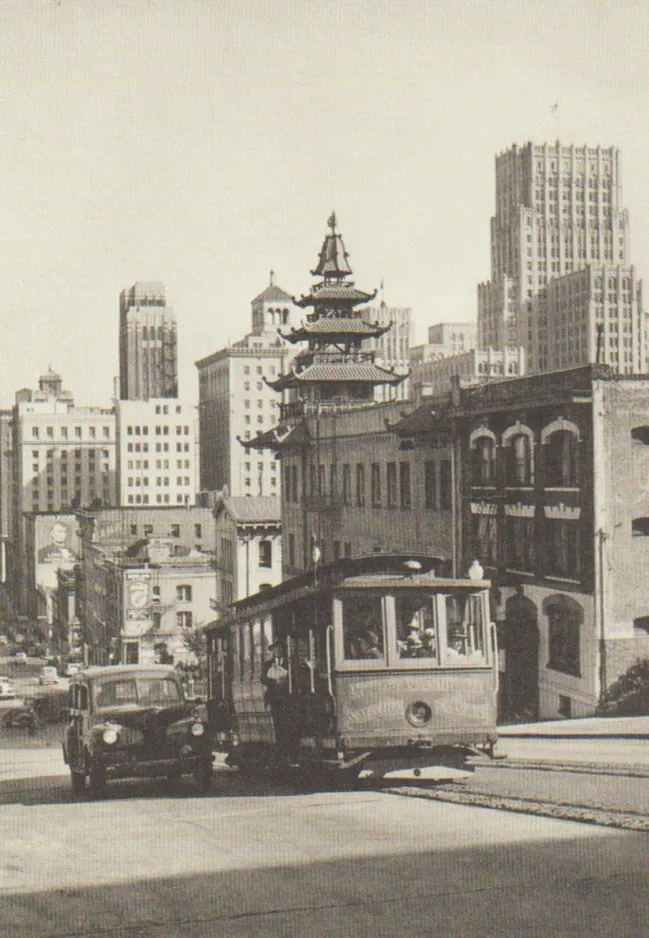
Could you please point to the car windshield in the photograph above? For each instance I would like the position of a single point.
(136, 691)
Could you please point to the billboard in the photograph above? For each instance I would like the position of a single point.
(57, 547)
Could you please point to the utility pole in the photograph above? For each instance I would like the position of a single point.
(601, 537)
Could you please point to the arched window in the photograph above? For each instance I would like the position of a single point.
(565, 617)
(640, 435)
(520, 462)
(562, 459)
(284, 316)
(484, 461)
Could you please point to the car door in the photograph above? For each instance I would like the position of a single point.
(79, 717)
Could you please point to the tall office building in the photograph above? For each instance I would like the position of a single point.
(157, 452)
(235, 402)
(147, 344)
(391, 348)
(559, 210)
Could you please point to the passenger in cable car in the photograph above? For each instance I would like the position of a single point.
(365, 644)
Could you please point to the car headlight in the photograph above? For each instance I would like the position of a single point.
(197, 729)
(109, 736)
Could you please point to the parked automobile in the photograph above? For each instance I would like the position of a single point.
(131, 721)
(48, 675)
(19, 655)
(14, 712)
(72, 668)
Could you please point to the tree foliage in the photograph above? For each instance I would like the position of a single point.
(629, 695)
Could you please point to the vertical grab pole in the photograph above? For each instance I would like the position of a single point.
(494, 645)
(328, 634)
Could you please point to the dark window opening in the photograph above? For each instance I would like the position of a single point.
(565, 616)
(640, 527)
(561, 460)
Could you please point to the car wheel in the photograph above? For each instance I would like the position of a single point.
(97, 781)
(203, 777)
(78, 780)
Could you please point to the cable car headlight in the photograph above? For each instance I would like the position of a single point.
(197, 729)
(109, 736)
(418, 713)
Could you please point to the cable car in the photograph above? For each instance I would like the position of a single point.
(369, 665)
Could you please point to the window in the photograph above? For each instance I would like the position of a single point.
(404, 485)
(333, 482)
(562, 451)
(484, 461)
(376, 485)
(347, 484)
(391, 473)
(291, 550)
(565, 617)
(520, 470)
(198, 531)
(360, 484)
(520, 543)
(430, 485)
(416, 633)
(184, 594)
(175, 528)
(465, 629)
(266, 554)
(363, 628)
(445, 485)
(485, 537)
(183, 620)
(562, 549)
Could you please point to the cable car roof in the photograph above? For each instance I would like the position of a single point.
(377, 571)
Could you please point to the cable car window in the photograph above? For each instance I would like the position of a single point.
(257, 649)
(267, 629)
(416, 634)
(245, 651)
(236, 661)
(465, 629)
(363, 627)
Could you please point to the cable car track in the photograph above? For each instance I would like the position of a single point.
(564, 811)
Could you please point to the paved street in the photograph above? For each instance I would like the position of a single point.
(254, 859)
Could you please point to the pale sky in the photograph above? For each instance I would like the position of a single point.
(203, 142)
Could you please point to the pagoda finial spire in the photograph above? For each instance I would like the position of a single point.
(331, 222)
(272, 278)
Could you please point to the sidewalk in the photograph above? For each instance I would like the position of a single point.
(587, 728)
(601, 741)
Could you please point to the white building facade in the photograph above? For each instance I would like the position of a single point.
(158, 452)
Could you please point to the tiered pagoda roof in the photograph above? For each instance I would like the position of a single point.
(338, 373)
(334, 331)
(334, 370)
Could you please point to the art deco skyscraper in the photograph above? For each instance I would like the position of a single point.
(147, 344)
(558, 211)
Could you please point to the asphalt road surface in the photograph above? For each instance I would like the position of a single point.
(261, 859)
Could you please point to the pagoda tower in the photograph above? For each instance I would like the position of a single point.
(333, 371)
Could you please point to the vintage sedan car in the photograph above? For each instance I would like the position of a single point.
(131, 721)
(14, 712)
